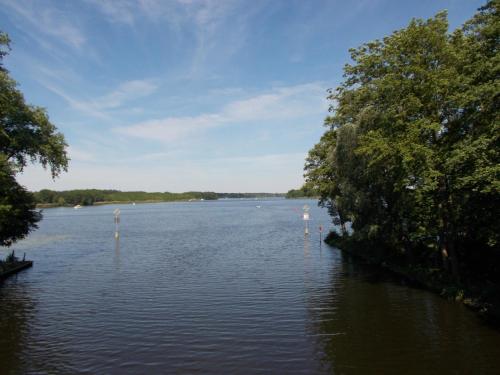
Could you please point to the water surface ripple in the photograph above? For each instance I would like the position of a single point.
(220, 287)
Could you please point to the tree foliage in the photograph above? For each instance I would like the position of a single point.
(411, 154)
(17, 208)
(26, 135)
(303, 192)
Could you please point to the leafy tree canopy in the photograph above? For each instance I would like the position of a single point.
(411, 156)
(26, 135)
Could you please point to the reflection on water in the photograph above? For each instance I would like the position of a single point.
(117, 251)
(220, 287)
(16, 319)
(379, 323)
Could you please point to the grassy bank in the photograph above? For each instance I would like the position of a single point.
(479, 295)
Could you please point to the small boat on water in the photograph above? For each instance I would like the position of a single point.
(77, 207)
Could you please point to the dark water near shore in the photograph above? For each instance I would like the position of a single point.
(220, 287)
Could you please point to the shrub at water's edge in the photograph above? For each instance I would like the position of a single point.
(411, 155)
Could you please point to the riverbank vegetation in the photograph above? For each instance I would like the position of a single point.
(89, 197)
(411, 154)
(26, 135)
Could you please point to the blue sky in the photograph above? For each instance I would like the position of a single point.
(215, 95)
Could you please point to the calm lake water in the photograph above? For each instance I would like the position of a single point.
(222, 287)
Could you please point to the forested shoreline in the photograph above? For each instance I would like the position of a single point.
(89, 197)
(411, 155)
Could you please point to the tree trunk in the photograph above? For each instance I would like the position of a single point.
(444, 254)
(454, 261)
(342, 224)
(344, 230)
(447, 235)
(449, 254)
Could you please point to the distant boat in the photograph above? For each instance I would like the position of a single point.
(77, 207)
(133, 203)
(257, 206)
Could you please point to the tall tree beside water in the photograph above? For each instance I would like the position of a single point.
(26, 136)
(411, 154)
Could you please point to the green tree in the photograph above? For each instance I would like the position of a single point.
(26, 135)
(411, 154)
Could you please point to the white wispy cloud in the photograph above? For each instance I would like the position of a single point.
(79, 105)
(124, 93)
(203, 13)
(117, 11)
(210, 20)
(48, 21)
(279, 104)
(203, 21)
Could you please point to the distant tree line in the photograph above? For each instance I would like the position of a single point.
(88, 197)
(411, 154)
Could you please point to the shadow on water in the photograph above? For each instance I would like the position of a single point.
(18, 338)
(14, 325)
(377, 324)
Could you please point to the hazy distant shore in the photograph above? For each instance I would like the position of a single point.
(94, 197)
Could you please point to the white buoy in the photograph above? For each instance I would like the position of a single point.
(306, 219)
(117, 222)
